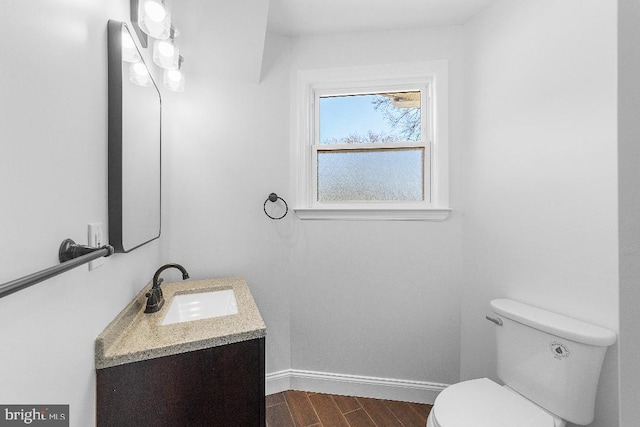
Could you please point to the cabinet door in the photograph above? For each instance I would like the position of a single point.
(220, 386)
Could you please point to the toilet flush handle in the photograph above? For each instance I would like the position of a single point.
(496, 320)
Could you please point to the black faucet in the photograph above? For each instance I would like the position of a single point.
(155, 300)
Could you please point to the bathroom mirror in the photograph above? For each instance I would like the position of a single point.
(134, 144)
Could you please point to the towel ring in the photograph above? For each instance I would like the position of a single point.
(273, 197)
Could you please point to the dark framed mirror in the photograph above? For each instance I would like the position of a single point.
(135, 108)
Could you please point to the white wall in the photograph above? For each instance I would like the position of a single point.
(540, 223)
(228, 152)
(379, 298)
(376, 298)
(53, 181)
(231, 149)
(629, 208)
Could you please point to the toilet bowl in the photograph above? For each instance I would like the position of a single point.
(483, 403)
(550, 365)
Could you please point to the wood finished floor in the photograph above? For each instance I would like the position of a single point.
(303, 409)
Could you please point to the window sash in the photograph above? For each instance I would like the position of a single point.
(391, 189)
(426, 123)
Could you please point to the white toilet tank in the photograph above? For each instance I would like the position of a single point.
(551, 359)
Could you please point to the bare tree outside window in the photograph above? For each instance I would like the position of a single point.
(401, 111)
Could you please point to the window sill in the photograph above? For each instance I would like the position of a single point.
(374, 214)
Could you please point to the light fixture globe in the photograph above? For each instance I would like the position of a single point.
(154, 19)
(165, 54)
(174, 80)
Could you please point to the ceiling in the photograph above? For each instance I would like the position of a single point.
(309, 17)
(227, 37)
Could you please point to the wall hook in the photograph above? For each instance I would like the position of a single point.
(273, 197)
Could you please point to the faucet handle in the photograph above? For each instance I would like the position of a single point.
(155, 300)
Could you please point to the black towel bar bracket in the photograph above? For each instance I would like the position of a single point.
(70, 254)
(273, 197)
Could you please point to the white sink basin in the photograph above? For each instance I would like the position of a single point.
(203, 305)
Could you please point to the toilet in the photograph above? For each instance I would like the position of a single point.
(550, 365)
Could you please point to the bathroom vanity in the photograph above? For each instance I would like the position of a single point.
(208, 371)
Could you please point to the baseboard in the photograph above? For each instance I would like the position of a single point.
(353, 385)
(278, 382)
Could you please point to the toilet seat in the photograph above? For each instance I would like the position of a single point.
(483, 403)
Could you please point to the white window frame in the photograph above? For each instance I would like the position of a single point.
(431, 78)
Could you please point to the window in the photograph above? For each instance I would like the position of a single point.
(371, 143)
(371, 147)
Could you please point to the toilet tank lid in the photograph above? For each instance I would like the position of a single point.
(554, 323)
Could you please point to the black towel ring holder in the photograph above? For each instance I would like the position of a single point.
(273, 197)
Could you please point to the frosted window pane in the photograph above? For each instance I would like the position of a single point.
(383, 117)
(371, 175)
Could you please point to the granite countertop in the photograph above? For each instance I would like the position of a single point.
(134, 335)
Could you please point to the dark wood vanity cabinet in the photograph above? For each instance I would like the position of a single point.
(219, 386)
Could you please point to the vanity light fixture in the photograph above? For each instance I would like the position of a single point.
(152, 18)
